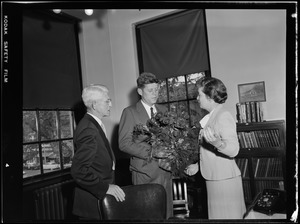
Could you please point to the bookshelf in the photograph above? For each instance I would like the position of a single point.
(261, 158)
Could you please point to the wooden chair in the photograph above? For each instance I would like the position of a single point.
(180, 198)
(142, 202)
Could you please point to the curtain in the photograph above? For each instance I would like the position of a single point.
(174, 45)
(51, 65)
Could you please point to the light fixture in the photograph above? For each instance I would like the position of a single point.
(89, 12)
(57, 10)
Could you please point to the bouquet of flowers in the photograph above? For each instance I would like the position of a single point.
(172, 140)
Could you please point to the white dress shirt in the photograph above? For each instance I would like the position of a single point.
(147, 107)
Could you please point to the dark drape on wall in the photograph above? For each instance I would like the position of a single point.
(51, 64)
(174, 45)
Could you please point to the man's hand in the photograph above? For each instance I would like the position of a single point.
(116, 191)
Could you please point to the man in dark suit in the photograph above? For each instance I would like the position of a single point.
(144, 172)
(93, 166)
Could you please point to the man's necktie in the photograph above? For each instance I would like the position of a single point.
(103, 128)
(152, 113)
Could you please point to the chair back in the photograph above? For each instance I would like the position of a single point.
(180, 197)
(142, 202)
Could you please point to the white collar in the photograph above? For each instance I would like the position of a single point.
(97, 119)
(147, 107)
(205, 119)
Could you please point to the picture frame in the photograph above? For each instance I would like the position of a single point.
(254, 91)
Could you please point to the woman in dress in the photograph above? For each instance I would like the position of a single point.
(218, 147)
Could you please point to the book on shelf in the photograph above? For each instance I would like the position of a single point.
(253, 137)
(275, 137)
(262, 138)
(241, 112)
(253, 111)
(271, 172)
(242, 145)
(244, 140)
(245, 171)
(238, 112)
(257, 139)
(267, 167)
(250, 139)
(263, 167)
(272, 138)
(259, 112)
(266, 137)
(255, 165)
(242, 163)
(248, 112)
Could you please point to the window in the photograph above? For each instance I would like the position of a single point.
(180, 94)
(51, 79)
(47, 141)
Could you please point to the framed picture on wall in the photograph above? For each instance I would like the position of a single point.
(254, 91)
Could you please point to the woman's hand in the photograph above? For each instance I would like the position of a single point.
(192, 169)
(212, 137)
(116, 191)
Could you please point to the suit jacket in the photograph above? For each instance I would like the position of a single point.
(219, 163)
(132, 115)
(91, 167)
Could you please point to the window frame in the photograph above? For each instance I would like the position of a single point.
(168, 102)
(62, 170)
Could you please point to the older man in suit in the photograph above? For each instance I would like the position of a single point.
(93, 166)
(141, 170)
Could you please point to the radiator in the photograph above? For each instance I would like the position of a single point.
(53, 202)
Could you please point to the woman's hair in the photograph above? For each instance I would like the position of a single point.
(91, 93)
(213, 88)
(146, 78)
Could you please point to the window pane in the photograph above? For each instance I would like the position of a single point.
(179, 107)
(48, 124)
(196, 112)
(162, 95)
(177, 88)
(66, 130)
(31, 161)
(67, 152)
(29, 126)
(191, 81)
(51, 157)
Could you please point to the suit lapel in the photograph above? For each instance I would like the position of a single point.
(111, 153)
(142, 112)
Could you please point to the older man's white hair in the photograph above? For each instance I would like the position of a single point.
(91, 93)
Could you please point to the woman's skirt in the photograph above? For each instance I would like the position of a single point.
(225, 199)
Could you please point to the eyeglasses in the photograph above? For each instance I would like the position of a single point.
(108, 101)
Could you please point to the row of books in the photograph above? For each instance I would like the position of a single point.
(260, 185)
(267, 167)
(249, 112)
(242, 163)
(259, 138)
(262, 167)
